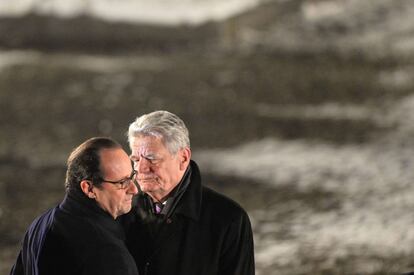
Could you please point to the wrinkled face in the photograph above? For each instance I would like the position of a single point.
(158, 170)
(115, 166)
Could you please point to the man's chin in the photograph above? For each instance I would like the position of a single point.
(125, 210)
(147, 186)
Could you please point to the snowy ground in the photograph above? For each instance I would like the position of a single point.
(139, 11)
(376, 28)
(316, 205)
(373, 183)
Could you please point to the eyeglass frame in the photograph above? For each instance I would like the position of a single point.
(125, 183)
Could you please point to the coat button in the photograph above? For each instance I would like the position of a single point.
(168, 221)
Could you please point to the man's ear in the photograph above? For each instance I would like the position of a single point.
(87, 188)
(185, 156)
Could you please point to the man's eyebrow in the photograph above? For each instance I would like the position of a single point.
(149, 155)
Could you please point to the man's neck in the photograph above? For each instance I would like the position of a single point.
(159, 197)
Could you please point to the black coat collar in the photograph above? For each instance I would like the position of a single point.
(77, 204)
(190, 203)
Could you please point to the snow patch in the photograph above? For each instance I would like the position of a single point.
(168, 12)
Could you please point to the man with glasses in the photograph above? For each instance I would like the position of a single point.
(179, 226)
(82, 235)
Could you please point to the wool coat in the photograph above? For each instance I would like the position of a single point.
(76, 237)
(205, 233)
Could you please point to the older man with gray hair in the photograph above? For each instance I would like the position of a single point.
(180, 226)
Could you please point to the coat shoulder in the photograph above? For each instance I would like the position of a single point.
(221, 205)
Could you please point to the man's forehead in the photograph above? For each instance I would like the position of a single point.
(145, 139)
(144, 152)
(114, 159)
(144, 147)
(146, 143)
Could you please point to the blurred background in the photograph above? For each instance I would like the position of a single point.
(300, 110)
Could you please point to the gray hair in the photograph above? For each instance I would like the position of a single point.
(165, 125)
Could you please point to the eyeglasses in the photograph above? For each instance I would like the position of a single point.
(124, 183)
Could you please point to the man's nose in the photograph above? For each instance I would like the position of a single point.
(132, 188)
(142, 166)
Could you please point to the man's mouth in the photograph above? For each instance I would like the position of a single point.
(146, 179)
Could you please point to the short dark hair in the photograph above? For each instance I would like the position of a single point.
(84, 162)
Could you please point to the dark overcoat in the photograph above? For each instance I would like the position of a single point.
(76, 237)
(206, 234)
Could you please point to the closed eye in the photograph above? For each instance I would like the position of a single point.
(150, 158)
